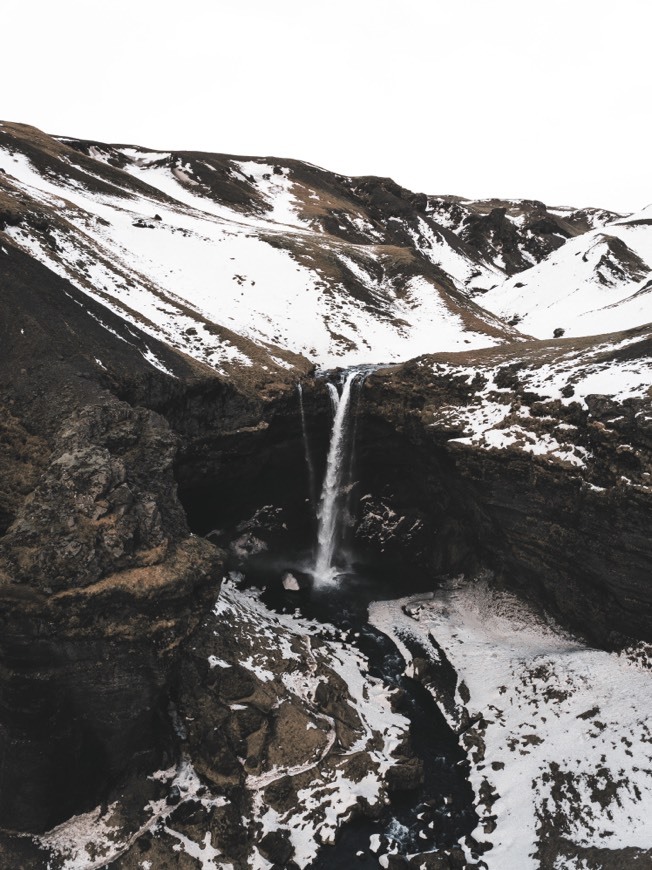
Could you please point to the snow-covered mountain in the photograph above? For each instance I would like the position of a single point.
(210, 253)
(163, 429)
(598, 282)
(240, 260)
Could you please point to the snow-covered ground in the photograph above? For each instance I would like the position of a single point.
(291, 655)
(91, 840)
(560, 741)
(598, 282)
(177, 263)
(559, 373)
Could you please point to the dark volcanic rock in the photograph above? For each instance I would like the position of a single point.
(100, 582)
(276, 847)
(573, 538)
(104, 504)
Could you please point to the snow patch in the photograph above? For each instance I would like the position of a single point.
(565, 729)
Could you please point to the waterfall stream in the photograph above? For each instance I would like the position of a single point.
(306, 449)
(430, 816)
(329, 515)
(335, 396)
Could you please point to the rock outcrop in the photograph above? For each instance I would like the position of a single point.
(101, 581)
(100, 584)
(506, 460)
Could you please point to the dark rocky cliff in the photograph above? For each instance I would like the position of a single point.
(572, 537)
(101, 581)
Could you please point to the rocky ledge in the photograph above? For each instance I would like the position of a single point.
(534, 461)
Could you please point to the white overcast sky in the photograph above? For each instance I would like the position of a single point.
(509, 98)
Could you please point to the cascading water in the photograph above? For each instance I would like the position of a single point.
(328, 515)
(306, 450)
(431, 816)
(335, 397)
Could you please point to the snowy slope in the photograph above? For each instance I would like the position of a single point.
(150, 235)
(560, 740)
(598, 282)
(240, 261)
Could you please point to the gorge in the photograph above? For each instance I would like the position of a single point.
(461, 677)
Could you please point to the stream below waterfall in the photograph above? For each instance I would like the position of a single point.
(439, 812)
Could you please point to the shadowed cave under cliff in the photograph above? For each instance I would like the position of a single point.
(411, 517)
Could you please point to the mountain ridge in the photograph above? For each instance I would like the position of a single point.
(296, 259)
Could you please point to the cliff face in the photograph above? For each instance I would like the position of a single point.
(101, 583)
(511, 462)
(100, 580)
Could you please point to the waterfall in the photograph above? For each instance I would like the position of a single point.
(328, 515)
(335, 396)
(306, 450)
